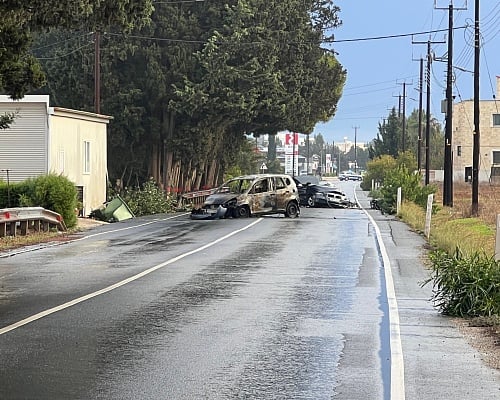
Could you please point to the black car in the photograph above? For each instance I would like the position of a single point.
(316, 195)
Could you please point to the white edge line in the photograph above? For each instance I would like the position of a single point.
(59, 243)
(121, 283)
(397, 361)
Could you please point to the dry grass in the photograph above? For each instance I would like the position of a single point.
(11, 242)
(453, 227)
(489, 202)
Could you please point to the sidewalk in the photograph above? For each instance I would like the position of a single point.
(439, 362)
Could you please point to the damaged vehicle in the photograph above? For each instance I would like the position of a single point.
(252, 195)
(317, 195)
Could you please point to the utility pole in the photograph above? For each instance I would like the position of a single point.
(448, 137)
(355, 148)
(428, 107)
(403, 141)
(477, 142)
(97, 72)
(420, 90)
(448, 164)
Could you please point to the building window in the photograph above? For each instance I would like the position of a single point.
(86, 157)
(496, 119)
(496, 157)
(459, 151)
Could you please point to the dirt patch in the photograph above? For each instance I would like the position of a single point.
(9, 243)
(485, 339)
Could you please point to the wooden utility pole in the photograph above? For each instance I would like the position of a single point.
(477, 141)
(97, 72)
(420, 90)
(428, 107)
(403, 107)
(448, 163)
(356, 148)
(448, 137)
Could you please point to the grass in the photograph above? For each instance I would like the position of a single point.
(32, 238)
(456, 227)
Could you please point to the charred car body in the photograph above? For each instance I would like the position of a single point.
(250, 195)
(316, 195)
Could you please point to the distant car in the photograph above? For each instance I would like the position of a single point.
(316, 195)
(350, 177)
(250, 195)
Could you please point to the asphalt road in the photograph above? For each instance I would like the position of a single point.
(324, 306)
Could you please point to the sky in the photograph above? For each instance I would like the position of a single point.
(377, 69)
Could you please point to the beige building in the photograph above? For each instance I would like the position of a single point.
(46, 139)
(463, 137)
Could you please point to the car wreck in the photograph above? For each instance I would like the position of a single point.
(251, 195)
(313, 194)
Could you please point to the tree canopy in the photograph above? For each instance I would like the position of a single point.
(20, 71)
(187, 88)
(390, 138)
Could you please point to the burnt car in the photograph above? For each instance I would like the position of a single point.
(317, 195)
(251, 195)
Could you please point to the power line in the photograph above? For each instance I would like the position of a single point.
(396, 36)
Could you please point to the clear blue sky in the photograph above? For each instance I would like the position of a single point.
(376, 69)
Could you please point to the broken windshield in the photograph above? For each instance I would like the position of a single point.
(236, 186)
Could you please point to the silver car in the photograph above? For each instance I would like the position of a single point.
(251, 195)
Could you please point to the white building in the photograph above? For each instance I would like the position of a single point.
(45, 139)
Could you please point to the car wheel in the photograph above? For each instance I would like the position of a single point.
(243, 212)
(310, 201)
(292, 210)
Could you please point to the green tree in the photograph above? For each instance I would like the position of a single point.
(387, 140)
(187, 89)
(20, 71)
(436, 148)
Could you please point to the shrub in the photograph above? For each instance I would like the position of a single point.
(411, 189)
(149, 199)
(465, 286)
(56, 193)
(53, 192)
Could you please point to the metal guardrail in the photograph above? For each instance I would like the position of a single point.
(37, 218)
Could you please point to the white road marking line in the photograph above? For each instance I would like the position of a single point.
(46, 245)
(397, 362)
(121, 283)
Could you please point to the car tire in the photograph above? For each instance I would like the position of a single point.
(310, 201)
(292, 210)
(242, 212)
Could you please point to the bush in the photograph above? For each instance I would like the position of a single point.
(56, 193)
(148, 200)
(411, 189)
(465, 286)
(53, 192)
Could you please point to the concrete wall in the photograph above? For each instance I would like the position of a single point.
(463, 136)
(70, 130)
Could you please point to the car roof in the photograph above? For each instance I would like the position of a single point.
(256, 176)
(304, 179)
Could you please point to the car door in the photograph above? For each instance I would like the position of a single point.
(283, 192)
(262, 196)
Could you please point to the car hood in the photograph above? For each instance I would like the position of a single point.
(219, 198)
(324, 189)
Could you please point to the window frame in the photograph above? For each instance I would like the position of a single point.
(86, 156)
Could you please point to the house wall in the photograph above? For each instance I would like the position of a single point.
(46, 139)
(463, 136)
(69, 131)
(23, 146)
